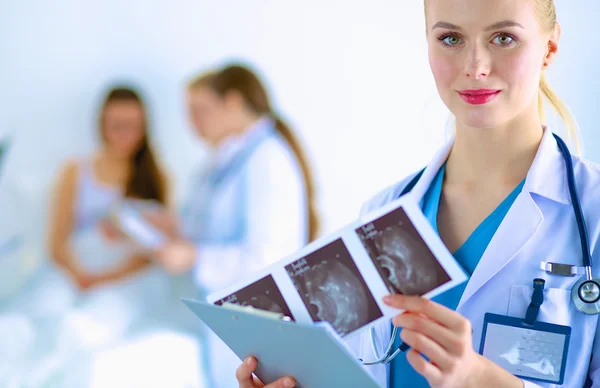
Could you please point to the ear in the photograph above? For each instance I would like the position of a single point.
(552, 48)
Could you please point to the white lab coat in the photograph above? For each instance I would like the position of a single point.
(540, 226)
(252, 216)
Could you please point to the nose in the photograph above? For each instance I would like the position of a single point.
(477, 62)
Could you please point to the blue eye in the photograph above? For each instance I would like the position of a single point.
(503, 40)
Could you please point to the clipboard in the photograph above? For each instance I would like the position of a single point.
(313, 354)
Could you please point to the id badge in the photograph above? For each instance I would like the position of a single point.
(536, 352)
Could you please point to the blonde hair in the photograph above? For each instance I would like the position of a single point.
(546, 12)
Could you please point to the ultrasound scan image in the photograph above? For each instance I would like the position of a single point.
(262, 294)
(332, 288)
(402, 258)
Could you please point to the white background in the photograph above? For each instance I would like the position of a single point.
(351, 77)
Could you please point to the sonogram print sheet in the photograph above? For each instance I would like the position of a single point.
(341, 278)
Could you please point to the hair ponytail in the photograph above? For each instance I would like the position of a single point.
(309, 182)
(559, 106)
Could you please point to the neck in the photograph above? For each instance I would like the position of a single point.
(494, 156)
(114, 162)
(244, 122)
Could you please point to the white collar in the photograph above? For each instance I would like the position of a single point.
(233, 144)
(547, 175)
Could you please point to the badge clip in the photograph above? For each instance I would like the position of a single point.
(561, 269)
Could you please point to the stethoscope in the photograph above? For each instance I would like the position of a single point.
(585, 293)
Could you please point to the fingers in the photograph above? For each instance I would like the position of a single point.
(110, 231)
(170, 257)
(284, 382)
(163, 221)
(430, 348)
(156, 220)
(246, 380)
(243, 374)
(435, 311)
(431, 372)
(447, 339)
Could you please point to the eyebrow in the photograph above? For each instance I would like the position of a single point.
(495, 26)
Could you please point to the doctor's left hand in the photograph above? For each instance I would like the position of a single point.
(176, 256)
(445, 338)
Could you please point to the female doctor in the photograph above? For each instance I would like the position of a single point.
(498, 195)
(254, 204)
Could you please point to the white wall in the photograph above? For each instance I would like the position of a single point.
(574, 76)
(352, 78)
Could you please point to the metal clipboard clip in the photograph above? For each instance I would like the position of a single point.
(255, 311)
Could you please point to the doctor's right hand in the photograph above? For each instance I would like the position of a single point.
(247, 380)
(165, 221)
(177, 256)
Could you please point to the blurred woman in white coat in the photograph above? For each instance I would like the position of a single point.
(252, 206)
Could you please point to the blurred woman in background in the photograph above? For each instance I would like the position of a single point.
(253, 205)
(118, 281)
(125, 167)
(111, 285)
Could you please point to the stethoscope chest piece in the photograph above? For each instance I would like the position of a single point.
(586, 296)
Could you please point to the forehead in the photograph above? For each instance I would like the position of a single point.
(202, 94)
(478, 14)
(124, 109)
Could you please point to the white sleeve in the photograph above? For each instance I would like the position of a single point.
(276, 220)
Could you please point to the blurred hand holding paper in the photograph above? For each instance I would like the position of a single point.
(128, 218)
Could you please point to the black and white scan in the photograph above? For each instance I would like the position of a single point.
(262, 294)
(402, 258)
(332, 288)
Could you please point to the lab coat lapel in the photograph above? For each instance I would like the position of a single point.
(430, 171)
(518, 227)
(546, 178)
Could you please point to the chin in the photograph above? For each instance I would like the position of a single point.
(480, 118)
(482, 124)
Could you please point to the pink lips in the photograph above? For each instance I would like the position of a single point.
(478, 96)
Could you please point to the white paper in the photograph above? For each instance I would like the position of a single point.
(341, 278)
(128, 218)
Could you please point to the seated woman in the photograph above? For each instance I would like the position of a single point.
(111, 284)
(86, 189)
(125, 167)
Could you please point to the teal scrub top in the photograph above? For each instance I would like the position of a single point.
(468, 255)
